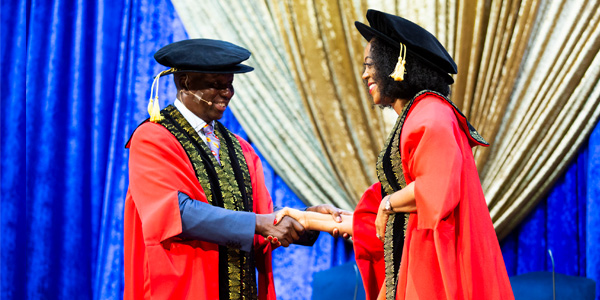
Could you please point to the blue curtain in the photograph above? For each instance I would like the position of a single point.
(87, 75)
(13, 215)
(85, 68)
(566, 222)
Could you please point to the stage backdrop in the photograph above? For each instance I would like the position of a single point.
(85, 69)
(566, 222)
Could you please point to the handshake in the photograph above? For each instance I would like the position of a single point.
(285, 226)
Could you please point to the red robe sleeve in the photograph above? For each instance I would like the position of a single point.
(262, 205)
(431, 139)
(431, 147)
(368, 249)
(158, 169)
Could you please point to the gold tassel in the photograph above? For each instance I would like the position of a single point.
(153, 105)
(155, 114)
(399, 70)
(150, 107)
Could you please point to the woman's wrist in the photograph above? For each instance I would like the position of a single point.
(387, 204)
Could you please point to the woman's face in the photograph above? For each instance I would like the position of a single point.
(369, 75)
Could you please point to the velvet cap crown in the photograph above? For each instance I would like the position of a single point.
(418, 41)
(203, 56)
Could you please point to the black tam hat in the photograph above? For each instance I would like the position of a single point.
(203, 56)
(196, 55)
(410, 37)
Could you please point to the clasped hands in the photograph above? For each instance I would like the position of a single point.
(285, 226)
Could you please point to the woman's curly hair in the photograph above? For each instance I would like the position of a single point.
(419, 75)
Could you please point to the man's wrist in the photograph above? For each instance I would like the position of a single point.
(258, 228)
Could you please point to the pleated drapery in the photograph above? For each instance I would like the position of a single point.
(527, 80)
(566, 222)
(13, 216)
(546, 115)
(77, 75)
(88, 68)
(307, 142)
(77, 78)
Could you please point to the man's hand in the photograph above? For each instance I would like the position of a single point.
(285, 232)
(335, 214)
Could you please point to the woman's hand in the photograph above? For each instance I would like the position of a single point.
(335, 213)
(317, 218)
(381, 219)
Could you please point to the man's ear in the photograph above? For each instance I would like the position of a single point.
(181, 80)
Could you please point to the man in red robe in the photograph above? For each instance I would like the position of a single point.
(197, 210)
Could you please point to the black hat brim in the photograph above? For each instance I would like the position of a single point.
(238, 69)
(233, 70)
(368, 33)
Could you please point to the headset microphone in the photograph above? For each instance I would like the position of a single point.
(200, 99)
(187, 89)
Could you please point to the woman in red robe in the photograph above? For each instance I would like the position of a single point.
(424, 229)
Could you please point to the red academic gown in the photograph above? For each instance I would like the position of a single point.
(368, 249)
(158, 265)
(451, 250)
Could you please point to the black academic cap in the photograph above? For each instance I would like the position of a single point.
(418, 41)
(203, 56)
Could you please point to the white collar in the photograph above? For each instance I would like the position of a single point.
(196, 122)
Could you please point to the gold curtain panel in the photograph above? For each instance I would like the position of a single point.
(528, 75)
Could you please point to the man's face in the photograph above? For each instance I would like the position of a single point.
(214, 88)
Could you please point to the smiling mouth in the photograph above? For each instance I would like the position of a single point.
(222, 105)
(372, 87)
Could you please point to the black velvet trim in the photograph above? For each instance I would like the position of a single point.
(212, 173)
(223, 270)
(131, 136)
(387, 169)
(236, 268)
(398, 242)
(398, 238)
(249, 268)
(235, 165)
